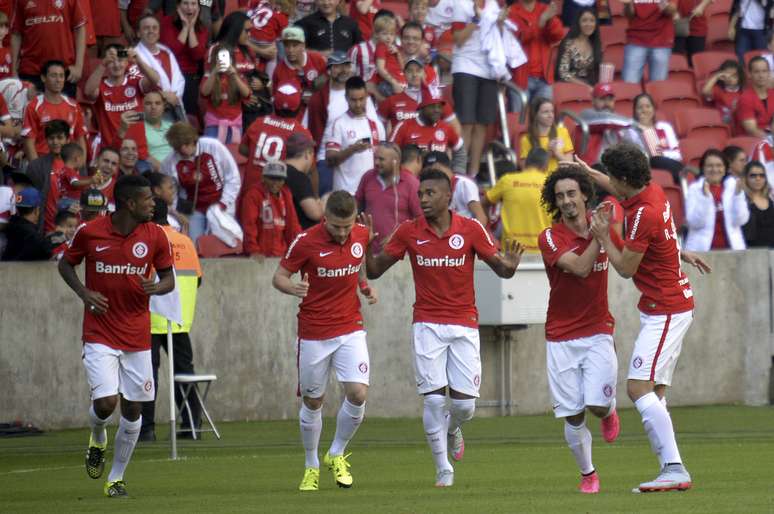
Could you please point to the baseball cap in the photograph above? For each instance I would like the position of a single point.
(414, 60)
(297, 143)
(339, 57)
(436, 157)
(293, 34)
(28, 197)
(93, 200)
(287, 97)
(602, 90)
(430, 96)
(275, 169)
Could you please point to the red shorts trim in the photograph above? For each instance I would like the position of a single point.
(660, 346)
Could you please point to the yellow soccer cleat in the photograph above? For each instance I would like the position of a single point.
(311, 480)
(340, 469)
(95, 459)
(115, 489)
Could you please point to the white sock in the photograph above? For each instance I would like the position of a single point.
(658, 426)
(97, 424)
(126, 439)
(612, 407)
(347, 422)
(311, 427)
(460, 412)
(434, 421)
(579, 440)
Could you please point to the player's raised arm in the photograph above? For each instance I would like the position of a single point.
(625, 261)
(504, 263)
(282, 282)
(376, 265)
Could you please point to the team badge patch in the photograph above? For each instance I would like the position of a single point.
(148, 386)
(311, 75)
(130, 92)
(363, 367)
(440, 135)
(456, 241)
(637, 362)
(607, 390)
(357, 250)
(58, 4)
(477, 380)
(140, 250)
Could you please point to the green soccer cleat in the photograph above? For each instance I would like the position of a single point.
(340, 469)
(116, 489)
(311, 480)
(95, 459)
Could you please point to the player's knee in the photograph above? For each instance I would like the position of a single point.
(598, 411)
(576, 420)
(104, 407)
(313, 403)
(357, 396)
(463, 409)
(131, 411)
(636, 389)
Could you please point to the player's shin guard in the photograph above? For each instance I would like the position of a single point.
(347, 422)
(126, 440)
(311, 427)
(97, 424)
(658, 426)
(460, 412)
(579, 440)
(434, 422)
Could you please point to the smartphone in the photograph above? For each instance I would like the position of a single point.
(140, 116)
(366, 140)
(122, 53)
(224, 59)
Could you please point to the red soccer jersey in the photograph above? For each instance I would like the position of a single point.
(46, 28)
(210, 185)
(112, 101)
(265, 140)
(365, 22)
(402, 107)
(650, 27)
(40, 111)
(314, 65)
(331, 308)
(107, 18)
(439, 137)
(68, 177)
(267, 23)
(751, 107)
(650, 229)
(443, 267)
(114, 265)
(53, 195)
(391, 63)
(269, 221)
(577, 307)
(225, 110)
(5, 63)
(244, 63)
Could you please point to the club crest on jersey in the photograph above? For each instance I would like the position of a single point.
(311, 75)
(440, 135)
(607, 390)
(148, 386)
(140, 250)
(637, 362)
(130, 92)
(363, 367)
(58, 4)
(357, 250)
(456, 241)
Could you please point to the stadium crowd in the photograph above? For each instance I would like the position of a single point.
(246, 115)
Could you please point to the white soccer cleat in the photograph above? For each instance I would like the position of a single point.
(444, 478)
(674, 477)
(456, 444)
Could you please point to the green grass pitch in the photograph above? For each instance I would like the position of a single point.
(516, 464)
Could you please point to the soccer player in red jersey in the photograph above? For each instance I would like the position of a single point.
(116, 92)
(329, 257)
(650, 255)
(581, 360)
(442, 246)
(121, 252)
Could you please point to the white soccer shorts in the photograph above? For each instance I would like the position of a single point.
(447, 355)
(347, 354)
(581, 372)
(110, 371)
(658, 346)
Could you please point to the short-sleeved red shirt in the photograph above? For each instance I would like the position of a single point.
(750, 106)
(112, 101)
(402, 107)
(46, 28)
(391, 63)
(433, 138)
(40, 111)
(331, 308)
(443, 267)
(577, 307)
(5, 63)
(650, 229)
(314, 65)
(114, 265)
(265, 140)
(266, 22)
(650, 27)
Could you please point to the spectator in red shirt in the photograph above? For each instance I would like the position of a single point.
(756, 104)
(388, 193)
(186, 36)
(649, 39)
(694, 42)
(106, 18)
(223, 89)
(5, 53)
(539, 29)
(389, 77)
(41, 31)
(723, 89)
(363, 12)
(306, 68)
(268, 217)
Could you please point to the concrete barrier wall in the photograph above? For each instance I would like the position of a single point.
(245, 333)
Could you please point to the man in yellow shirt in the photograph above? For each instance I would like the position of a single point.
(188, 277)
(522, 215)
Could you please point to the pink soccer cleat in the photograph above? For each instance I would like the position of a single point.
(589, 484)
(611, 427)
(456, 444)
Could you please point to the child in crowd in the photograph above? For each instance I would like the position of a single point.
(724, 88)
(66, 222)
(389, 77)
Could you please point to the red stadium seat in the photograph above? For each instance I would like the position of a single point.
(209, 247)
(612, 35)
(703, 123)
(625, 90)
(573, 97)
(679, 71)
(717, 33)
(746, 143)
(707, 63)
(674, 195)
(753, 53)
(692, 150)
(663, 178)
(624, 107)
(671, 95)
